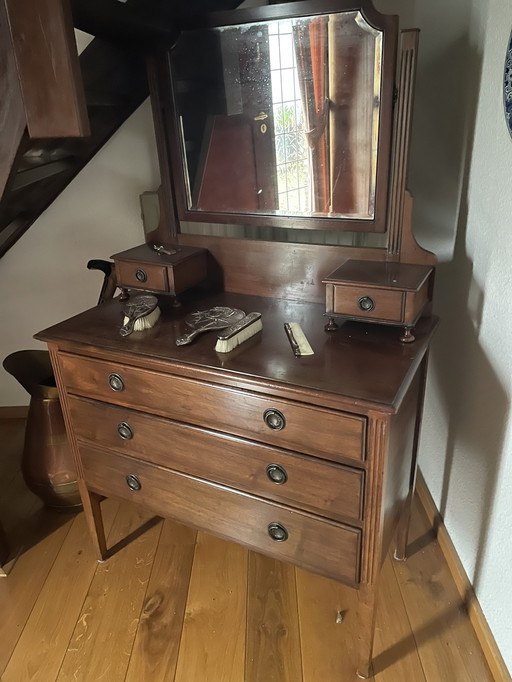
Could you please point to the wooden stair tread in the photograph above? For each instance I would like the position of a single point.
(29, 176)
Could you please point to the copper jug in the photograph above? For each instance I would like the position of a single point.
(47, 466)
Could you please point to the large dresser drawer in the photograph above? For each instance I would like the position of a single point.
(324, 547)
(290, 425)
(332, 490)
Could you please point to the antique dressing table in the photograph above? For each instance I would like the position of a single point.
(310, 460)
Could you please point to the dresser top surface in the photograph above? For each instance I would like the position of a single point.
(364, 364)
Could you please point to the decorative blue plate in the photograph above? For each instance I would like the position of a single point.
(507, 86)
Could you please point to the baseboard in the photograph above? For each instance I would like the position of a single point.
(14, 412)
(476, 616)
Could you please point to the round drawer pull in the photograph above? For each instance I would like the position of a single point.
(116, 382)
(277, 474)
(274, 420)
(277, 532)
(125, 431)
(133, 482)
(141, 275)
(366, 303)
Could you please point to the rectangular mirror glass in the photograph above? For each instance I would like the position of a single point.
(280, 117)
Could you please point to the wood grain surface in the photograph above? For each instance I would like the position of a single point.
(323, 487)
(324, 433)
(102, 640)
(212, 645)
(12, 110)
(57, 608)
(273, 637)
(155, 649)
(357, 367)
(319, 544)
(48, 67)
(422, 632)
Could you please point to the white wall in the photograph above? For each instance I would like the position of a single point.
(461, 177)
(44, 278)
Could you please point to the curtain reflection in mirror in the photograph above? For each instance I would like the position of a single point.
(354, 115)
(310, 39)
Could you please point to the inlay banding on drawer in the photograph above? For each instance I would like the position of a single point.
(328, 489)
(315, 544)
(316, 431)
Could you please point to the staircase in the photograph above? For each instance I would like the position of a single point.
(57, 109)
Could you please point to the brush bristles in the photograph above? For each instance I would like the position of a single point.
(145, 322)
(228, 344)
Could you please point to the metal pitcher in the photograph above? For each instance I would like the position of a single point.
(48, 466)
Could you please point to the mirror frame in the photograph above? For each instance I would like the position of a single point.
(176, 175)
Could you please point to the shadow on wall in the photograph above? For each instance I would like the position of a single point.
(473, 397)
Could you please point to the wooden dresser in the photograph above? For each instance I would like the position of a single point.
(309, 460)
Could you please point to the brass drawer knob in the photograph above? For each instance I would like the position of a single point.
(277, 474)
(115, 381)
(125, 431)
(366, 303)
(132, 481)
(277, 532)
(141, 275)
(274, 420)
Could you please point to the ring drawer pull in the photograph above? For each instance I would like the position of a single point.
(274, 420)
(277, 474)
(141, 275)
(277, 532)
(133, 482)
(116, 382)
(366, 303)
(125, 431)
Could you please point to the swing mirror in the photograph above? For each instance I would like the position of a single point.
(285, 119)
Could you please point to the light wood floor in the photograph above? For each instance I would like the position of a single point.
(182, 606)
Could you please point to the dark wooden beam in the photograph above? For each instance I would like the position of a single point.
(148, 24)
(124, 22)
(48, 68)
(12, 111)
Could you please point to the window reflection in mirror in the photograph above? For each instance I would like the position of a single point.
(281, 117)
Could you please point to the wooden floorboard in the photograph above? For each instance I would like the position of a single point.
(102, 641)
(395, 653)
(446, 643)
(174, 605)
(328, 647)
(272, 649)
(43, 643)
(213, 639)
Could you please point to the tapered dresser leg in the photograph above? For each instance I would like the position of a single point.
(366, 630)
(92, 511)
(402, 534)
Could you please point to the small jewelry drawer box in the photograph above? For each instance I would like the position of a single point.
(381, 292)
(169, 271)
